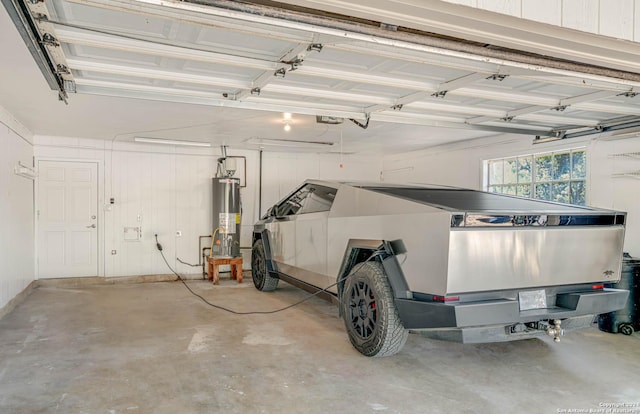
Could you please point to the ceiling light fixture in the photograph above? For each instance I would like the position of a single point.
(286, 119)
(288, 143)
(171, 142)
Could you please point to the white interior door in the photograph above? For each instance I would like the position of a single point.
(67, 219)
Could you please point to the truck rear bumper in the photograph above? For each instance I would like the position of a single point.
(500, 333)
(503, 312)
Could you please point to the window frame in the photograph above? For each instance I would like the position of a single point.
(296, 202)
(534, 183)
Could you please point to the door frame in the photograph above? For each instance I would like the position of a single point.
(101, 209)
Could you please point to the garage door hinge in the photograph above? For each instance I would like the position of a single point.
(49, 40)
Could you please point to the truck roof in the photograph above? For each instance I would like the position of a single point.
(467, 200)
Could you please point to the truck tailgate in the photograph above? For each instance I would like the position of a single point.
(485, 259)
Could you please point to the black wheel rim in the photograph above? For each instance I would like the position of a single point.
(363, 309)
(258, 268)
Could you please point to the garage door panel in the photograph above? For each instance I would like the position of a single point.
(254, 56)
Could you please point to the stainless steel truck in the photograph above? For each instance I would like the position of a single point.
(449, 263)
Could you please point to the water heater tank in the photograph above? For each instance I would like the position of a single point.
(226, 217)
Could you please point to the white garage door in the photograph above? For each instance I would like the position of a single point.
(243, 55)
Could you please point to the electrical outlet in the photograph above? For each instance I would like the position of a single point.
(178, 233)
(113, 252)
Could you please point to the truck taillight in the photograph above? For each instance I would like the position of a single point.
(446, 298)
(597, 287)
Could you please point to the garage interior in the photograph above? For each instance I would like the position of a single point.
(141, 98)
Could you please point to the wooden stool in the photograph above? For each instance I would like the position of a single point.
(234, 262)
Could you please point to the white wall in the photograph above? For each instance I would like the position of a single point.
(16, 210)
(170, 189)
(461, 165)
(282, 173)
(618, 18)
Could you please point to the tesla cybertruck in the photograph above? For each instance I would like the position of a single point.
(448, 263)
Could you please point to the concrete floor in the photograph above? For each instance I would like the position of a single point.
(154, 348)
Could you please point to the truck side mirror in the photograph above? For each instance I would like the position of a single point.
(271, 212)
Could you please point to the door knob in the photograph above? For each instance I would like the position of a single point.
(93, 226)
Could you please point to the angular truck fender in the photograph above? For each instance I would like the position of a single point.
(264, 236)
(385, 252)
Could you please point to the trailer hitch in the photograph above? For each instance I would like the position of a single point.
(551, 328)
(554, 330)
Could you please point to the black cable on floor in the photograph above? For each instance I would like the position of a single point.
(159, 247)
(188, 264)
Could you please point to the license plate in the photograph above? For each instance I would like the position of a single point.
(533, 299)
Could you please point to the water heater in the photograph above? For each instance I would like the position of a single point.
(226, 217)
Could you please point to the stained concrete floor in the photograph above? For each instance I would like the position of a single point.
(155, 348)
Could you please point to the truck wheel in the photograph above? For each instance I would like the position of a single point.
(626, 329)
(261, 278)
(370, 316)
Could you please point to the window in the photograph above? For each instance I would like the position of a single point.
(553, 176)
(320, 199)
(311, 198)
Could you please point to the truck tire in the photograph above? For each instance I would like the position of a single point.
(370, 315)
(262, 280)
(626, 329)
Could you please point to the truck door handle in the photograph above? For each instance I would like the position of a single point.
(93, 226)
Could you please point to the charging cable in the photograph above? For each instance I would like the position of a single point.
(159, 247)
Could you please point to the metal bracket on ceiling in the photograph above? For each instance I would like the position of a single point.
(49, 40)
(559, 108)
(70, 86)
(294, 63)
(439, 94)
(389, 27)
(62, 96)
(360, 124)
(397, 107)
(497, 77)
(507, 118)
(315, 47)
(555, 136)
(629, 94)
(62, 69)
(255, 91)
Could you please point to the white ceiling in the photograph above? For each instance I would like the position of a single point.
(186, 72)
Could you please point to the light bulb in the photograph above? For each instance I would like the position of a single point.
(287, 127)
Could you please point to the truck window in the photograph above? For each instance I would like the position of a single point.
(310, 198)
(320, 198)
